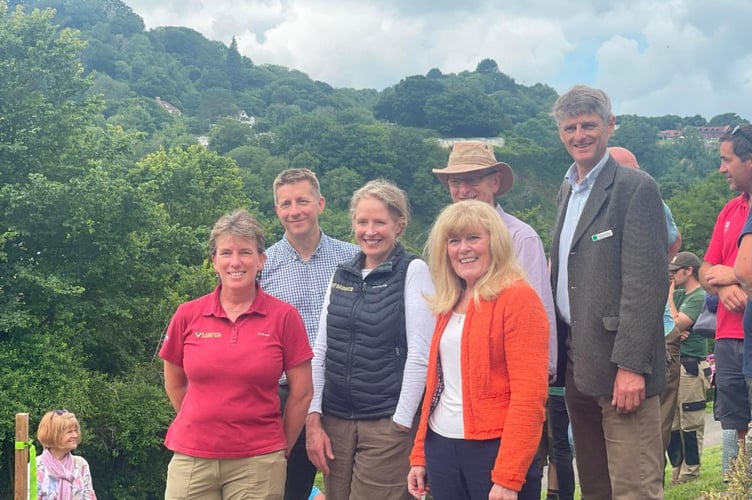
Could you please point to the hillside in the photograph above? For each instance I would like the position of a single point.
(301, 121)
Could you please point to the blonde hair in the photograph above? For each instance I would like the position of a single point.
(54, 425)
(458, 219)
(389, 194)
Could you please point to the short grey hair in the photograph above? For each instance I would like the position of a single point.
(582, 100)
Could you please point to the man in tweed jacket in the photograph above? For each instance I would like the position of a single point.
(610, 282)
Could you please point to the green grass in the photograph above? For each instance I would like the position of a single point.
(710, 480)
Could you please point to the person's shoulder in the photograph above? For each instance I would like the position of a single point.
(339, 246)
(522, 287)
(417, 265)
(697, 294)
(80, 461)
(197, 304)
(277, 250)
(273, 303)
(627, 175)
(735, 203)
(518, 290)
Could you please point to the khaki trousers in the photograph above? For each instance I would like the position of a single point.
(371, 459)
(619, 456)
(670, 394)
(689, 425)
(253, 478)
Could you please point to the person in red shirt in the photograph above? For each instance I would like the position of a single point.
(487, 375)
(223, 356)
(717, 278)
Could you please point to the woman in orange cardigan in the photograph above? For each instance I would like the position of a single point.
(487, 374)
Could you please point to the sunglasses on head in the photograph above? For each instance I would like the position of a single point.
(738, 130)
(61, 412)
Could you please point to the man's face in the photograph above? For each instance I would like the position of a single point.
(738, 172)
(681, 275)
(298, 209)
(479, 186)
(586, 138)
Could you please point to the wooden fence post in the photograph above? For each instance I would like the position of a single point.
(22, 458)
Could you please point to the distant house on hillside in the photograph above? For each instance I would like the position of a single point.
(168, 107)
(245, 119)
(670, 134)
(449, 142)
(712, 133)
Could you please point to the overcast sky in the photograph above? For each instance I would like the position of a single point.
(653, 57)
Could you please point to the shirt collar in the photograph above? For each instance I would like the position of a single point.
(572, 175)
(291, 249)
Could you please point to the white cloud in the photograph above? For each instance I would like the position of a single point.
(653, 57)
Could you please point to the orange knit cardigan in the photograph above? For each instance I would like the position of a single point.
(503, 358)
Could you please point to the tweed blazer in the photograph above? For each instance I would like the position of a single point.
(618, 282)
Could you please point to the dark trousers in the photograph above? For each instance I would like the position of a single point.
(531, 490)
(558, 432)
(300, 471)
(460, 469)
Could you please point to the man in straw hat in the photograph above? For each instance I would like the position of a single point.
(473, 172)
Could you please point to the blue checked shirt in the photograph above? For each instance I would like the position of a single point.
(303, 283)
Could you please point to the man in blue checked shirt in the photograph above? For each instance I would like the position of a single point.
(298, 269)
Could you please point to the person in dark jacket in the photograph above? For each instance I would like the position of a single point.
(370, 355)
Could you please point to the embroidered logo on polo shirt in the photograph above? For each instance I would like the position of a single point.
(263, 334)
(208, 335)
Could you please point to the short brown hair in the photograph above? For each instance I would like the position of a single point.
(240, 223)
(740, 138)
(295, 175)
(54, 425)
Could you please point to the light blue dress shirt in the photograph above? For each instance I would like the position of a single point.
(577, 200)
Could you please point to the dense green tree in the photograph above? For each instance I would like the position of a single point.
(228, 133)
(338, 185)
(642, 139)
(464, 110)
(405, 102)
(234, 67)
(726, 119)
(195, 186)
(695, 211)
(215, 104)
(41, 105)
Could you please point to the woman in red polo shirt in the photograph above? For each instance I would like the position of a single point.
(223, 356)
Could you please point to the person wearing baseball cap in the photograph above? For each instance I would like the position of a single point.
(686, 297)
